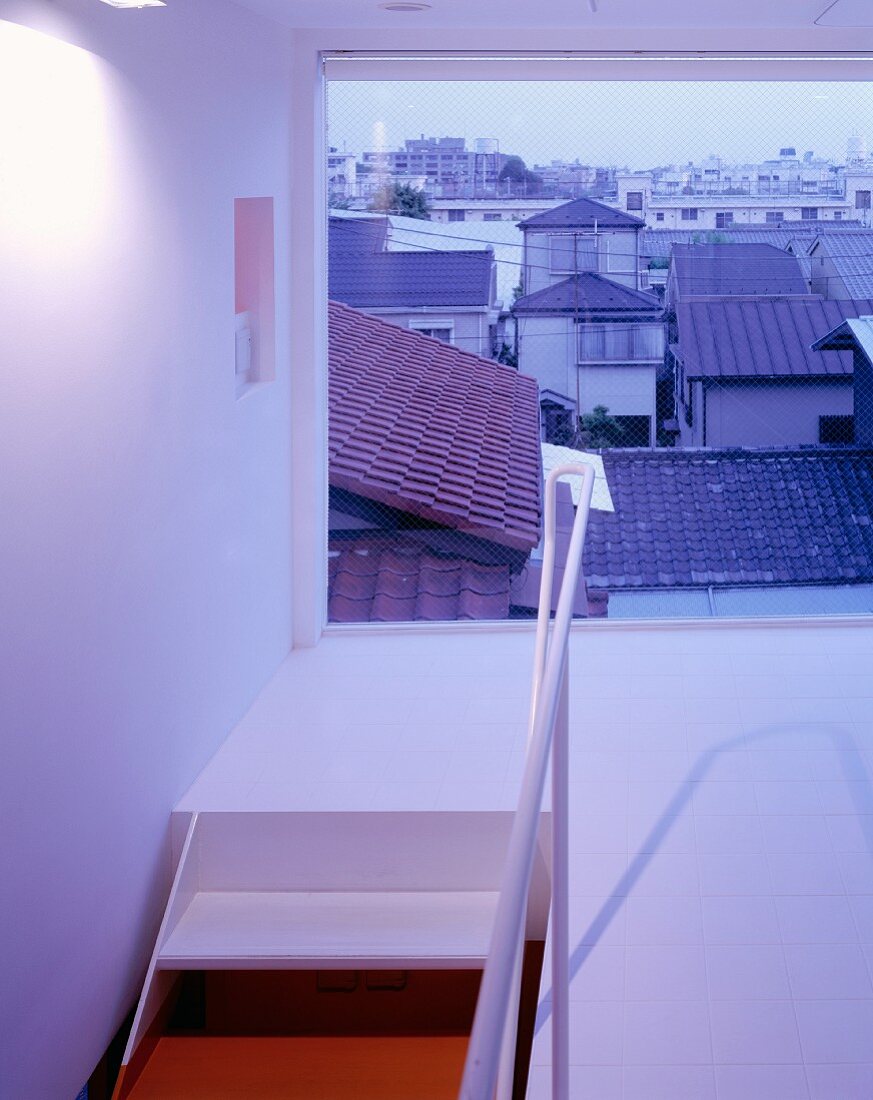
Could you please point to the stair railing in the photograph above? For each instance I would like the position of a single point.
(490, 1054)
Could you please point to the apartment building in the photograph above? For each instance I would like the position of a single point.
(713, 195)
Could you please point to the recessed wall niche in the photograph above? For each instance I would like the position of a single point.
(255, 295)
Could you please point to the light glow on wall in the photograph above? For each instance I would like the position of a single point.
(135, 3)
(54, 148)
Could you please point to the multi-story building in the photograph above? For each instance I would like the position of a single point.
(441, 165)
(716, 195)
(342, 175)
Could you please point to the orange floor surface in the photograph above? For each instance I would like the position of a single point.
(292, 1068)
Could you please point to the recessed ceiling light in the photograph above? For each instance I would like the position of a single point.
(407, 6)
(135, 3)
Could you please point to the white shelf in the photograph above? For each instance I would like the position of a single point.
(252, 929)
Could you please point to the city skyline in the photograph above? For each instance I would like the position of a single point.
(634, 124)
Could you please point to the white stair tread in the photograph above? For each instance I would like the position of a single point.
(250, 927)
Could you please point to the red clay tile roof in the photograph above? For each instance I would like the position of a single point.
(374, 580)
(397, 584)
(420, 426)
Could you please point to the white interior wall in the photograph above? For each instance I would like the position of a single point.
(145, 545)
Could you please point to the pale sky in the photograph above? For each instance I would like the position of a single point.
(624, 123)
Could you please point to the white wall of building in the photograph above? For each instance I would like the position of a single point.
(470, 330)
(146, 532)
(770, 415)
(547, 352)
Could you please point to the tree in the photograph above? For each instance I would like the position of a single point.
(516, 171)
(599, 429)
(401, 199)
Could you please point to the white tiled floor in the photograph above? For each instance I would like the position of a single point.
(722, 830)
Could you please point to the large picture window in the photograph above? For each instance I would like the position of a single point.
(674, 295)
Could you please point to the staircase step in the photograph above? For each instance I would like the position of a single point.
(280, 1068)
(323, 929)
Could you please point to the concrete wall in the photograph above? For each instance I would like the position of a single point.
(624, 390)
(766, 415)
(145, 553)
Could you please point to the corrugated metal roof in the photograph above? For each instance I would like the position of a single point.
(420, 426)
(589, 293)
(582, 214)
(698, 518)
(762, 337)
(735, 269)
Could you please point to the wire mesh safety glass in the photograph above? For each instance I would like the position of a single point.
(670, 279)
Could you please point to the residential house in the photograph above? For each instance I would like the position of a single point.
(584, 327)
(747, 375)
(164, 551)
(855, 335)
(451, 295)
(841, 266)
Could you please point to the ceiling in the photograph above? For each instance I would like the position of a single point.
(610, 14)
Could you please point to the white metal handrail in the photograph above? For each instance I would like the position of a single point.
(498, 994)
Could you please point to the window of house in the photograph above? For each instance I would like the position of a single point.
(493, 217)
(809, 213)
(439, 330)
(634, 200)
(569, 253)
(723, 219)
(457, 215)
(862, 200)
(838, 215)
(620, 342)
(774, 216)
(689, 214)
(659, 217)
(836, 429)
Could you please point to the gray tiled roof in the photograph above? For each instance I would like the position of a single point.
(762, 337)
(589, 293)
(735, 269)
(706, 517)
(582, 214)
(411, 279)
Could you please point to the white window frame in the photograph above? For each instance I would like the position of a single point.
(427, 324)
(500, 54)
